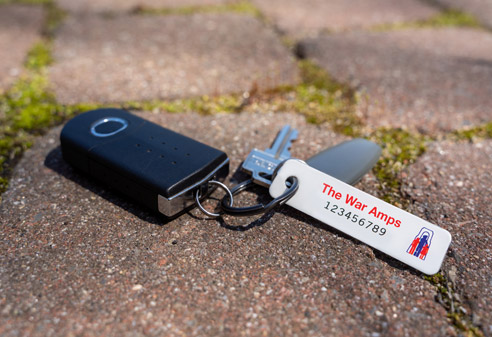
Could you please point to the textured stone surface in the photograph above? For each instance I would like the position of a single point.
(451, 187)
(88, 6)
(311, 16)
(78, 259)
(428, 79)
(19, 29)
(149, 57)
(482, 9)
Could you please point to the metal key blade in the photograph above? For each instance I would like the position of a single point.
(282, 143)
(261, 164)
(348, 161)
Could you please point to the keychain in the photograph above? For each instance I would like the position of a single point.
(171, 173)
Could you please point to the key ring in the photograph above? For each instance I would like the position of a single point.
(225, 188)
(259, 208)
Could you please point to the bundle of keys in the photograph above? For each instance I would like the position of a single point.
(171, 173)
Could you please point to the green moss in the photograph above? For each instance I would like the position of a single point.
(25, 109)
(242, 7)
(439, 281)
(447, 18)
(318, 97)
(53, 14)
(75, 109)
(289, 42)
(4, 184)
(453, 307)
(39, 56)
(452, 18)
(54, 17)
(25, 2)
(12, 145)
(473, 133)
(400, 149)
(315, 76)
(204, 104)
(28, 105)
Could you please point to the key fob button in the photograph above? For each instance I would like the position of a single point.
(108, 126)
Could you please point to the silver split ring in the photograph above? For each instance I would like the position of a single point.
(221, 185)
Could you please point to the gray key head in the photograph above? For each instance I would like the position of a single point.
(348, 161)
(261, 164)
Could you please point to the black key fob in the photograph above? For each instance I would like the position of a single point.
(157, 167)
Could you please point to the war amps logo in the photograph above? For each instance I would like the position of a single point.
(421, 244)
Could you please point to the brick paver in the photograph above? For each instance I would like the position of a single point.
(481, 9)
(311, 16)
(20, 28)
(451, 187)
(126, 58)
(426, 79)
(98, 6)
(77, 258)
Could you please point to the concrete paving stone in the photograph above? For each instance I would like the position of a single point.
(311, 16)
(425, 79)
(451, 187)
(78, 259)
(481, 9)
(20, 28)
(104, 6)
(134, 57)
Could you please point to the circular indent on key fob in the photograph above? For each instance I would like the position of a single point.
(108, 126)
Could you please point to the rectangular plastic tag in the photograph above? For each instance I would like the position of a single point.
(387, 228)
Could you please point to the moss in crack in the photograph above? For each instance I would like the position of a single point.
(483, 131)
(54, 17)
(400, 149)
(318, 97)
(28, 107)
(39, 56)
(11, 146)
(27, 110)
(26, 2)
(447, 18)
(452, 18)
(455, 311)
(53, 14)
(241, 7)
(439, 281)
(204, 104)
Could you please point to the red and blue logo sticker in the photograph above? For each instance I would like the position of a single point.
(421, 243)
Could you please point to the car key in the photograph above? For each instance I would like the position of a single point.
(157, 167)
(347, 161)
(261, 164)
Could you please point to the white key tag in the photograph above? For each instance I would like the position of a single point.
(385, 227)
